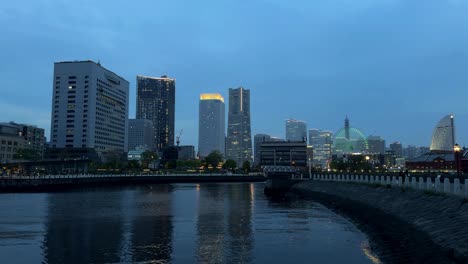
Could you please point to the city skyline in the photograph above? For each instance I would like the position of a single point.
(388, 88)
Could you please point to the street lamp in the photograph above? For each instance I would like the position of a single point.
(367, 164)
(457, 150)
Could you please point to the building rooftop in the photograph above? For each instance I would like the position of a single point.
(164, 77)
(90, 61)
(211, 96)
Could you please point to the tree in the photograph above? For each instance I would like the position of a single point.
(213, 159)
(147, 158)
(27, 154)
(230, 165)
(246, 166)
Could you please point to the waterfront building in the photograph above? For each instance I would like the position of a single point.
(258, 140)
(156, 102)
(286, 153)
(10, 142)
(14, 137)
(186, 153)
(443, 137)
(376, 144)
(296, 130)
(89, 108)
(239, 139)
(321, 143)
(211, 124)
(141, 134)
(397, 148)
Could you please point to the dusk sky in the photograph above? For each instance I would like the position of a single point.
(394, 67)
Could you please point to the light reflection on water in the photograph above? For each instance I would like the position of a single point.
(181, 223)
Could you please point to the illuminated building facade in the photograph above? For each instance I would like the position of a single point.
(211, 124)
(321, 143)
(239, 139)
(156, 102)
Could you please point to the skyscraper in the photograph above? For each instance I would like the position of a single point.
(321, 143)
(156, 102)
(376, 144)
(397, 148)
(140, 134)
(239, 139)
(211, 124)
(296, 130)
(89, 108)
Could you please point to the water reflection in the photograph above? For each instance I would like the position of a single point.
(224, 224)
(83, 227)
(205, 223)
(152, 225)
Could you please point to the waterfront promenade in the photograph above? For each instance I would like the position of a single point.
(67, 182)
(423, 218)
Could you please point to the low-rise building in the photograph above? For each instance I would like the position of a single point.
(15, 137)
(287, 153)
(186, 153)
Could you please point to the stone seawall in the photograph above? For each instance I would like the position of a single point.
(412, 226)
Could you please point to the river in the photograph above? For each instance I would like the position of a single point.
(175, 223)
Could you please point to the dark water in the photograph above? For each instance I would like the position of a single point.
(181, 223)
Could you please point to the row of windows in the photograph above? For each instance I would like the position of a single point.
(9, 143)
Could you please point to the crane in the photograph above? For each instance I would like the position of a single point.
(178, 137)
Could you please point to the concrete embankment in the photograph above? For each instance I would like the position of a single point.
(60, 183)
(407, 226)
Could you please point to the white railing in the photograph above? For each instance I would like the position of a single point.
(457, 187)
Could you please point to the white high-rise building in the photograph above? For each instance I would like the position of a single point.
(443, 137)
(296, 130)
(211, 125)
(89, 108)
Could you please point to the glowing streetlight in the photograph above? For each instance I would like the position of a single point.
(457, 149)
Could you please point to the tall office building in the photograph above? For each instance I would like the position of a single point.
(296, 130)
(211, 124)
(239, 139)
(140, 134)
(321, 143)
(156, 102)
(376, 144)
(89, 108)
(397, 148)
(258, 140)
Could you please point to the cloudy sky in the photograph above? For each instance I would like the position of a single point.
(395, 67)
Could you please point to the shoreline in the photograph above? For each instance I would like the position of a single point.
(65, 184)
(392, 235)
